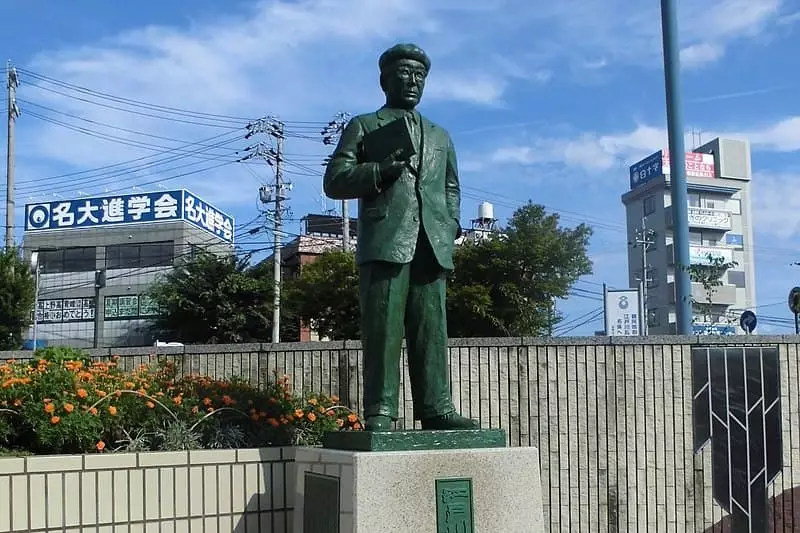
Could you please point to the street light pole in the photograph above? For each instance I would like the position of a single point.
(680, 200)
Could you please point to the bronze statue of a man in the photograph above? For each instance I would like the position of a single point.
(408, 220)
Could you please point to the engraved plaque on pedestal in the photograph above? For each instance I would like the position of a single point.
(321, 510)
(454, 506)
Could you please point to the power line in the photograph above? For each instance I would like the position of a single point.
(12, 82)
(276, 195)
(643, 239)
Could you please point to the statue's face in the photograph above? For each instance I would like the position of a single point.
(403, 83)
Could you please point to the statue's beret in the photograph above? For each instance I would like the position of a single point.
(404, 51)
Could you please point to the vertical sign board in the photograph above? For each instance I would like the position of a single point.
(622, 312)
(737, 410)
(454, 506)
(320, 503)
(125, 209)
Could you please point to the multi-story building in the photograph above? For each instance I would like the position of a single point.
(720, 226)
(97, 258)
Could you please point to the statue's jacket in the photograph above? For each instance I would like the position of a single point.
(389, 221)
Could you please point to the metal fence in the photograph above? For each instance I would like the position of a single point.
(612, 418)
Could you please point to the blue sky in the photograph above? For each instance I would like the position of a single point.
(545, 101)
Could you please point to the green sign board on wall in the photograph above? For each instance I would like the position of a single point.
(454, 506)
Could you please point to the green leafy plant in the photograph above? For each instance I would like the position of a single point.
(709, 275)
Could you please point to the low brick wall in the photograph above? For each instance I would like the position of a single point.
(205, 491)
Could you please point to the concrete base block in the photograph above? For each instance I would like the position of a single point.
(430, 491)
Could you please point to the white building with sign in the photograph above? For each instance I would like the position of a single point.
(99, 256)
(720, 226)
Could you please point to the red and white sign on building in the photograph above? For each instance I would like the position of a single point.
(697, 165)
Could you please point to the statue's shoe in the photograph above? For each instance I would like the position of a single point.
(450, 421)
(378, 423)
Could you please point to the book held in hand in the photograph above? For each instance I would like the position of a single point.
(382, 142)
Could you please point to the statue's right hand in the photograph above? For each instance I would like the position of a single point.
(392, 167)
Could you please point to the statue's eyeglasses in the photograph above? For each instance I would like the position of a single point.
(405, 73)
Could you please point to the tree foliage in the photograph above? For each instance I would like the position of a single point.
(17, 293)
(500, 286)
(505, 285)
(709, 275)
(215, 299)
(325, 295)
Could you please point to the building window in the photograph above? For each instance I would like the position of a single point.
(649, 205)
(695, 237)
(694, 199)
(77, 259)
(150, 254)
(652, 318)
(736, 278)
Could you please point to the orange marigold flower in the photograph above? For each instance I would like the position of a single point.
(210, 409)
(112, 410)
(150, 405)
(339, 422)
(102, 393)
(311, 417)
(272, 422)
(352, 418)
(49, 407)
(290, 418)
(356, 426)
(93, 410)
(82, 393)
(100, 446)
(195, 410)
(206, 401)
(177, 400)
(55, 420)
(299, 413)
(17, 403)
(68, 407)
(129, 385)
(335, 399)
(312, 401)
(284, 420)
(254, 417)
(321, 409)
(227, 400)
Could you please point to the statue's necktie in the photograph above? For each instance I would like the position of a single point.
(414, 128)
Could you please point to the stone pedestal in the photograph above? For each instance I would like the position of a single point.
(469, 490)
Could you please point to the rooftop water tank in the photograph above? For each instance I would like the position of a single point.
(486, 211)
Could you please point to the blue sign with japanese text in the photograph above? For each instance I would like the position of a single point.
(734, 239)
(648, 168)
(136, 208)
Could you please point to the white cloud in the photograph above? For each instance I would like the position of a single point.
(700, 54)
(477, 88)
(776, 204)
(594, 152)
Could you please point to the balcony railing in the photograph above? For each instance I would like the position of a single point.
(723, 295)
(700, 217)
(699, 255)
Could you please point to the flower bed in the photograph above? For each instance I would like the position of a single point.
(62, 402)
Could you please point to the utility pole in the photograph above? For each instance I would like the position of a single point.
(644, 239)
(12, 82)
(678, 190)
(272, 194)
(330, 135)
